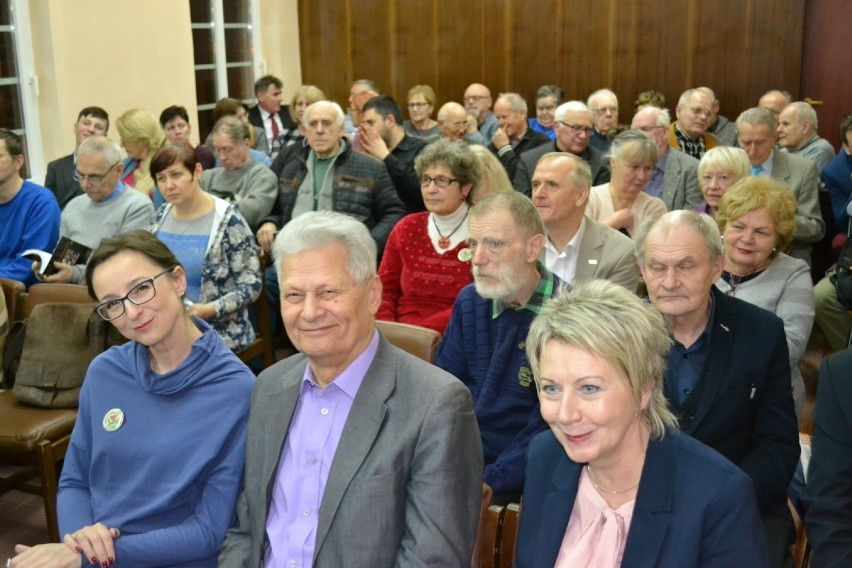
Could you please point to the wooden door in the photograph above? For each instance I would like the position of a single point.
(825, 64)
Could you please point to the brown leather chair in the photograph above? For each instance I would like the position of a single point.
(262, 344)
(13, 291)
(38, 438)
(419, 341)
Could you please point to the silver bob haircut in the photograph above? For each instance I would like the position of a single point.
(607, 321)
(316, 229)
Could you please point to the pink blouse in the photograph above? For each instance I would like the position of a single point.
(596, 534)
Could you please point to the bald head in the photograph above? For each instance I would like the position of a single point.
(774, 101)
(654, 122)
(452, 120)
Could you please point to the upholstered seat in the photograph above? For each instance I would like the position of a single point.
(37, 437)
(419, 341)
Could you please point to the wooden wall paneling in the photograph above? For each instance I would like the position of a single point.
(658, 56)
(371, 56)
(460, 48)
(824, 60)
(740, 48)
(324, 36)
(498, 58)
(413, 61)
(586, 32)
(722, 42)
(537, 52)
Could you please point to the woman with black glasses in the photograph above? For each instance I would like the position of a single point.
(426, 260)
(154, 466)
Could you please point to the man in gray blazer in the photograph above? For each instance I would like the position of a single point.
(578, 248)
(358, 454)
(675, 177)
(756, 131)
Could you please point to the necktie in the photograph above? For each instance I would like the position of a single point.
(274, 126)
(756, 170)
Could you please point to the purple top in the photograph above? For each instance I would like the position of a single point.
(306, 460)
(656, 184)
(704, 208)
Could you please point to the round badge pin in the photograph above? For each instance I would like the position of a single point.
(465, 255)
(113, 419)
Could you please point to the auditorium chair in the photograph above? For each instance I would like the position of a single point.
(262, 344)
(37, 438)
(419, 341)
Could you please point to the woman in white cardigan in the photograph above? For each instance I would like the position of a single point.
(757, 217)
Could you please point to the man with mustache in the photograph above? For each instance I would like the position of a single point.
(484, 343)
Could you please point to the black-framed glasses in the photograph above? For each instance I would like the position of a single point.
(440, 181)
(93, 179)
(576, 128)
(140, 294)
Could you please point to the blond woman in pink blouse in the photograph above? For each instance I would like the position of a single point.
(622, 203)
(613, 483)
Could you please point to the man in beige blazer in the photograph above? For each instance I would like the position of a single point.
(578, 248)
(358, 454)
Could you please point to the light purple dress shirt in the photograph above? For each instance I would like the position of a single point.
(657, 183)
(306, 459)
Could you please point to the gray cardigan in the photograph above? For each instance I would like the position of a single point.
(785, 289)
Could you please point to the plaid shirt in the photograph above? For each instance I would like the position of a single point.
(543, 291)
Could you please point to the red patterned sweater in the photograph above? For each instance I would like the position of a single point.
(419, 286)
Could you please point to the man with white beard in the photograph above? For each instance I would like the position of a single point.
(484, 343)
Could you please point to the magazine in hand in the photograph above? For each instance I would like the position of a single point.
(67, 251)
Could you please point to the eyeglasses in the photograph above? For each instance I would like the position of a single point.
(417, 105)
(604, 110)
(577, 128)
(93, 179)
(440, 181)
(476, 98)
(140, 294)
(698, 111)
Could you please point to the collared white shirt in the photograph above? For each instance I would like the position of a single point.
(564, 263)
(267, 126)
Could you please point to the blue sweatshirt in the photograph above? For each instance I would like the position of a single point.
(169, 476)
(30, 220)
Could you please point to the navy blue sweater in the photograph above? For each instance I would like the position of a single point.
(488, 355)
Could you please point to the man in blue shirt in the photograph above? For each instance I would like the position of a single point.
(29, 213)
(729, 372)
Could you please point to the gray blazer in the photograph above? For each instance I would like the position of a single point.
(405, 485)
(800, 175)
(608, 254)
(680, 185)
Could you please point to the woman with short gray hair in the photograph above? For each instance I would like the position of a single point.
(426, 261)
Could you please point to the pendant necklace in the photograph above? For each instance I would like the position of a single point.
(444, 241)
(599, 488)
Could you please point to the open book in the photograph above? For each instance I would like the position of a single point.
(67, 251)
